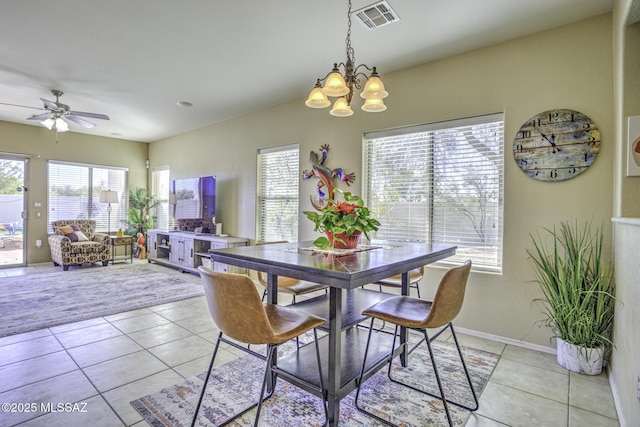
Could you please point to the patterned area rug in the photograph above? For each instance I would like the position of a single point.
(236, 384)
(37, 301)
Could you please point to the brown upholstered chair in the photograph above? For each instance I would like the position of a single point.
(288, 285)
(415, 276)
(235, 306)
(419, 314)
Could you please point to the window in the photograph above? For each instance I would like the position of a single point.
(161, 185)
(440, 183)
(74, 193)
(278, 178)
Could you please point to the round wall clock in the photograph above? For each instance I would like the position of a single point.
(556, 145)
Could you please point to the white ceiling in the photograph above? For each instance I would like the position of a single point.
(134, 59)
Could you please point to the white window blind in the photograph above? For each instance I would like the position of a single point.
(161, 183)
(440, 183)
(74, 193)
(277, 189)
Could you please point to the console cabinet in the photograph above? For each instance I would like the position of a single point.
(186, 250)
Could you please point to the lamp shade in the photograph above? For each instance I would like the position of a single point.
(373, 105)
(374, 89)
(108, 196)
(317, 98)
(335, 84)
(341, 108)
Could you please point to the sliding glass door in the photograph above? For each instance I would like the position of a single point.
(12, 206)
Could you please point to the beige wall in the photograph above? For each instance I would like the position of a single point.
(72, 147)
(569, 67)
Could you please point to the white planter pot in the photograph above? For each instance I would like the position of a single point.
(582, 360)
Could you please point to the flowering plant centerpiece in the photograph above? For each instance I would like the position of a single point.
(342, 222)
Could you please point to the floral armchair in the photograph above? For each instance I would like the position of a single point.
(75, 242)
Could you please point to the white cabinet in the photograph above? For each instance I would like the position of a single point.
(185, 250)
(181, 252)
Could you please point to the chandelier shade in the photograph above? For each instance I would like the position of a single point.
(341, 82)
(335, 84)
(341, 108)
(317, 98)
(374, 88)
(373, 105)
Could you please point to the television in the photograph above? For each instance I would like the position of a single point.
(192, 203)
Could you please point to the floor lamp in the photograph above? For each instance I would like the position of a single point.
(108, 196)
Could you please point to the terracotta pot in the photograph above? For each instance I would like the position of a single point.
(350, 242)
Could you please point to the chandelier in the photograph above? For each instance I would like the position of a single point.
(341, 81)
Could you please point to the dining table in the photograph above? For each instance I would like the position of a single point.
(345, 272)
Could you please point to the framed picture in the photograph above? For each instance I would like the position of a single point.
(633, 155)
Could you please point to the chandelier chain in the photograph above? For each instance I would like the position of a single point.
(350, 52)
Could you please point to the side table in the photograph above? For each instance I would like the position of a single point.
(127, 242)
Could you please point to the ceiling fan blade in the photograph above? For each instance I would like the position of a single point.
(79, 121)
(42, 116)
(50, 104)
(92, 115)
(22, 106)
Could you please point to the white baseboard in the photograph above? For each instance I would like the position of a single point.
(509, 341)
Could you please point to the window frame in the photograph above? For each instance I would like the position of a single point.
(490, 257)
(100, 215)
(293, 199)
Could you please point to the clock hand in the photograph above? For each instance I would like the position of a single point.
(551, 141)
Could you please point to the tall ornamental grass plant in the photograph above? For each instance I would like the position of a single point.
(577, 283)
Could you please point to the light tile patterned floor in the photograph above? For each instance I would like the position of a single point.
(107, 362)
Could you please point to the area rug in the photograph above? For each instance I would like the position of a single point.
(234, 385)
(37, 301)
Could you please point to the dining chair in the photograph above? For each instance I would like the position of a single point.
(288, 285)
(236, 308)
(420, 315)
(415, 276)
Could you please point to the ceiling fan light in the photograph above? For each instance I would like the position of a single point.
(317, 98)
(48, 123)
(374, 89)
(341, 108)
(61, 125)
(335, 84)
(373, 105)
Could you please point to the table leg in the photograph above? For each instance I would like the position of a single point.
(404, 335)
(272, 298)
(335, 343)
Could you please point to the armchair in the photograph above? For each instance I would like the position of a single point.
(75, 242)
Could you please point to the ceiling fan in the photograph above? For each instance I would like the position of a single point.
(57, 111)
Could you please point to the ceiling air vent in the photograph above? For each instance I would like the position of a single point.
(376, 15)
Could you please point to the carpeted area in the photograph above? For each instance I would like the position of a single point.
(37, 301)
(234, 385)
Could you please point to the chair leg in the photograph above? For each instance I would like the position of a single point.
(466, 371)
(267, 373)
(206, 380)
(360, 378)
(322, 388)
(464, 366)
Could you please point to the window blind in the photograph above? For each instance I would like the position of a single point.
(74, 193)
(160, 188)
(440, 183)
(277, 191)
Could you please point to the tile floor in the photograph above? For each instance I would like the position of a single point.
(107, 362)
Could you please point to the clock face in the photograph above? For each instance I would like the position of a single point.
(556, 145)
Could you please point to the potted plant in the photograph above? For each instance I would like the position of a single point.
(140, 203)
(579, 293)
(342, 222)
